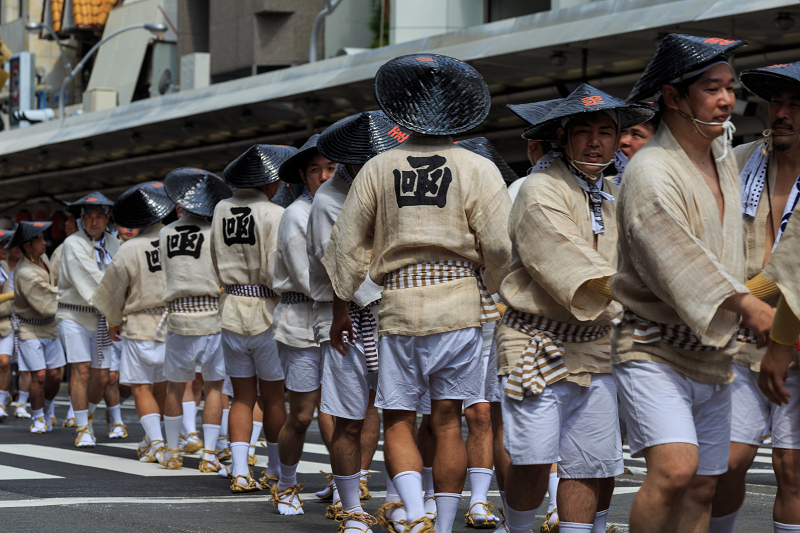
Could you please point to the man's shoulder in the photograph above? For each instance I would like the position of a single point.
(743, 152)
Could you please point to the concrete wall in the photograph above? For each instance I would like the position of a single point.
(416, 19)
(348, 27)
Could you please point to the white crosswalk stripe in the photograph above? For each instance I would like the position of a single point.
(762, 464)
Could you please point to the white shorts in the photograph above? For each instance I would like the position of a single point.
(227, 387)
(493, 391)
(7, 344)
(115, 355)
(302, 367)
(38, 354)
(567, 424)
(141, 362)
(81, 345)
(346, 382)
(449, 364)
(751, 411)
(186, 353)
(663, 406)
(251, 355)
(424, 404)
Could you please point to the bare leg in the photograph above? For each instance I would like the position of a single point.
(111, 395)
(370, 433)
(729, 495)
(24, 381)
(577, 500)
(787, 471)
(52, 383)
(240, 419)
(144, 400)
(479, 438)
(526, 485)
(501, 459)
(325, 423)
(346, 446)
(5, 372)
(98, 379)
(274, 407)
(173, 405)
(293, 434)
(450, 460)
(212, 411)
(399, 448)
(79, 385)
(695, 515)
(671, 469)
(37, 389)
(426, 442)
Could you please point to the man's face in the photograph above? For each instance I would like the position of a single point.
(784, 117)
(95, 222)
(15, 252)
(711, 98)
(71, 225)
(127, 233)
(3, 252)
(318, 171)
(633, 138)
(38, 246)
(592, 139)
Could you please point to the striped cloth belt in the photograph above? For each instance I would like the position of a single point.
(288, 298)
(436, 272)
(103, 338)
(17, 320)
(542, 360)
(649, 332)
(746, 336)
(254, 291)
(161, 328)
(364, 326)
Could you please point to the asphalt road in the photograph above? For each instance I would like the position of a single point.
(46, 484)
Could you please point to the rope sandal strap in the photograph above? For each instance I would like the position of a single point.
(487, 523)
(251, 484)
(334, 510)
(266, 479)
(208, 465)
(124, 429)
(363, 518)
(546, 527)
(385, 522)
(427, 528)
(176, 461)
(289, 493)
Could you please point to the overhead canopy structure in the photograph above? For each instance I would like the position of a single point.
(606, 43)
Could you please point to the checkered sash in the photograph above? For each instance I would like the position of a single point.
(542, 360)
(649, 332)
(364, 326)
(16, 320)
(746, 336)
(436, 272)
(161, 328)
(288, 298)
(253, 291)
(103, 338)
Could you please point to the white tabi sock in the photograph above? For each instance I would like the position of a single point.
(600, 522)
(239, 455)
(777, 527)
(254, 436)
(152, 427)
(574, 527)
(552, 491)
(519, 521)
(446, 511)
(723, 524)
(51, 410)
(37, 413)
(172, 427)
(82, 418)
(427, 480)
(189, 422)
(70, 411)
(349, 492)
(92, 407)
(391, 491)
(115, 412)
(273, 460)
(288, 476)
(479, 481)
(22, 399)
(3, 397)
(210, 434)
(222, 443)
(409, 486)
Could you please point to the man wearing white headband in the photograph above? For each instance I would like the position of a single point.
(681, 282)
(553, 343)
(82, 328)
(770, 192)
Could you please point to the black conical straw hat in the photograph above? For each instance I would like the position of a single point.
(432, 94)
(26, 232)
(482, 147)
(94, 199)
(766, 82)
(258, 166)
(356, 139)
(142, 205)
(678, 55)
(290, 169)
(533, 112)
(196, 190)
(588, 99)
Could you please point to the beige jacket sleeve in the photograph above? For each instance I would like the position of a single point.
(553, 250)
(112, 293)
(783, 265)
